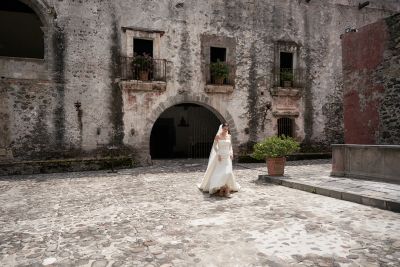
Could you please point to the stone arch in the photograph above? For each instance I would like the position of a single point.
(46, 15)
(182, 99)
(44, 12)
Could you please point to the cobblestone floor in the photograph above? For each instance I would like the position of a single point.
(155, 216)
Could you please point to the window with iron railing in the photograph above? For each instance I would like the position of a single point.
(289, 77)
(143, 68)
(220, 73)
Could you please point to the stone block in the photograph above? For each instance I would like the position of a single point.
(287, 183)
(393, 206)
(309, 188)
(373, 202)
(379, 162)
(351, 197)
(264, 178)
(338, 160)
(138, 86)
(218, 89)
(275, 180)
(270, 179)
(323, 191)
(291, 92)
(301, 187)
(391, 164)
(335, 194)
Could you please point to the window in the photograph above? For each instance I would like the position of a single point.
(219, 69)
(217, 54)
(218, 57)
(286, 60)
(20, 31)
(143, 46)
(141, 59)
(288, 70)
(285, 127)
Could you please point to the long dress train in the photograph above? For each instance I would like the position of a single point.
(219, 173)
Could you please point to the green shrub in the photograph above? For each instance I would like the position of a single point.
(142, 62)
(275, 147)
(219, 69)
(287, 75)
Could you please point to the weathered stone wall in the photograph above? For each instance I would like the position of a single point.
(84, 40)
(362, 93)
(371, 83)
(32, 106)
(316, 27)
(389, 71)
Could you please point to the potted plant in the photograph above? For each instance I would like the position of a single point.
(219, 71)
(274, 149)
(286, 77)
(142, 66)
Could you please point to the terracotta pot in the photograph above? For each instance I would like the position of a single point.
(276, 166)
(143, 75)
(219, 80)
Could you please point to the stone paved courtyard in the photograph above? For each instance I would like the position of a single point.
(155, 216)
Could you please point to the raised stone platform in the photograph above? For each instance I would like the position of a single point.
(378, 162)
(371, 193)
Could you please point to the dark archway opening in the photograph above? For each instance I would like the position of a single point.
(183, 131)
(20, 31)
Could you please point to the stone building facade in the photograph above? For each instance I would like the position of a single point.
(77, 95)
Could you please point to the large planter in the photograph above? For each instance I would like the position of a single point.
(144, 75)
(219, 80)
(276, 166)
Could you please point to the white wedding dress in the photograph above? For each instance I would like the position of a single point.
(219, 173)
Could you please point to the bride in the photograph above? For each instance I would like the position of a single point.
(219, 175)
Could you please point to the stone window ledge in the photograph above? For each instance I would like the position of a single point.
(23, 68)
(143, 86)
(285, 113)
(286, 91)
(219, 89)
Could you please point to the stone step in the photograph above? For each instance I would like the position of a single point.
(378, 200)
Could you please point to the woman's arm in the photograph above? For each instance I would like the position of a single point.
(216, 147)
(216, 143)
(230, 147)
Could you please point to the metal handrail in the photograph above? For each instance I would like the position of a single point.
(289, 77)
(148, 69)
(230, 80)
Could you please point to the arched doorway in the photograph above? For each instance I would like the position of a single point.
(183, 131)
(21, 31)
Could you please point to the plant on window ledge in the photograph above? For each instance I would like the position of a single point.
(286, 77)
(142, 66)
(219, 71)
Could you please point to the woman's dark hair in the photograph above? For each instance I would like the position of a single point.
(225, 124)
